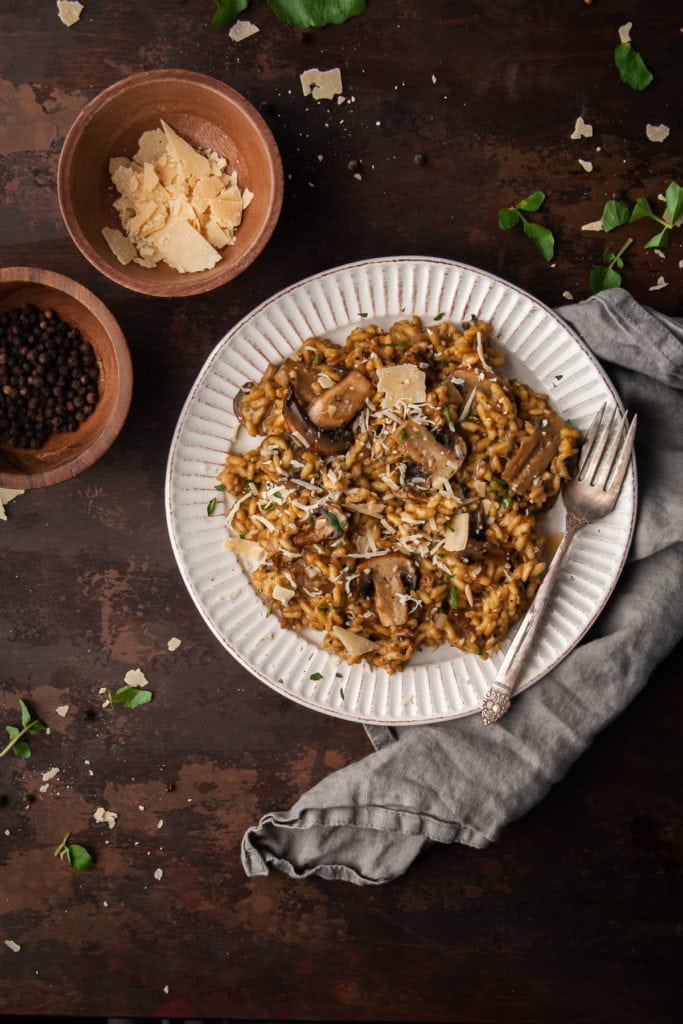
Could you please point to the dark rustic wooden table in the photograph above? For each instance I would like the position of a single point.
(572, 915)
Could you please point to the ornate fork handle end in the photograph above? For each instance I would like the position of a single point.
(496, 703)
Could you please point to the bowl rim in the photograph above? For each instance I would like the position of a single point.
(124, 391)
(187, 284)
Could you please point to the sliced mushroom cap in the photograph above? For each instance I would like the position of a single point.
(438, 461)
(535, 454)
(302, 378)
(330, 522)
(323, 442)
(338, 405)
(389, 578)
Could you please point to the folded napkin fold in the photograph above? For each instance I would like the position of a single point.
(462, 781)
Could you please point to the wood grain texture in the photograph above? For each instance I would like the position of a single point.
(572, 915)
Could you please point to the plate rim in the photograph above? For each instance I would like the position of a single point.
(205, 369)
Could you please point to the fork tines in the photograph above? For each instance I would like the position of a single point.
(607, 449)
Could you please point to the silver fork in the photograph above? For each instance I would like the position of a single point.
(590, 495)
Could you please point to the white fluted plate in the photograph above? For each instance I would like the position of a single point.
(437, 684)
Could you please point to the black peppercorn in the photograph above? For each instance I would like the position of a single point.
(43, 361)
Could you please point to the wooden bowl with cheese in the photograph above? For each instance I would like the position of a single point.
(170, 183)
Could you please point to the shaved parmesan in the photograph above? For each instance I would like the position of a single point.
(7, 494)
(248, 548)
(122, 247)
(458, 532)
(173, 644)
(661, 283)
(69, 12)
(581, 130)
(354, 644)
(282, 594)
(401, 383)
(657, 132)
(242, 29)
(595, 225)
(136, 677)
(103, 817)
(183, 248)
(587, 165)
(321, 85)
(625, 32)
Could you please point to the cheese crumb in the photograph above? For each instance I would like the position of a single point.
(321, 85)
(50, 774)
(159, 874)
(354, 644)
(661, 283)
(136, 677)
(248, 548)
(401, 383)
(625, 32)
(174, 643)
(657, 132)
(69, 12)
(109, 817)
(283, 594)
(587, 165)
(582, 130)
(568, 296)
(595, 225)
(166, 989)
(62, 710)
(242, 30)
(7, 494)
(458, 532)
(11, 944)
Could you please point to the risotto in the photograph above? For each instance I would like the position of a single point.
(394, 502)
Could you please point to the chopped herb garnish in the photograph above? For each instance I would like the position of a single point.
(452, 597)
(341, 692)
(338, 524)
(338, 675)
(30, 726)
(403, 435)
(439, 316)
(76, 856)
(447, 414)
(316, 676)
(219, 487)
(131, 696)
(211, 507)
(559, 376)
(362, 314)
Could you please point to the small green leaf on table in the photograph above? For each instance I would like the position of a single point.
(631, 67)
(131, 696)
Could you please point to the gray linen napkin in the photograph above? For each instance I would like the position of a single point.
(462, 781)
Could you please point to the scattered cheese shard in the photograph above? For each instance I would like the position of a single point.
(283, 594)
(7, 494)
(69, 11)
(136, 677)
(242, 30)
(175, 204)
(109, 817)
(661, 283)
(159, 874)
(657, 132)
(62, 710)
(50, 774)
(11, 944)
(401, 383)
(568, 296)
(354, 644)
(595, 225)
(625, 32)
(582, 130)
(248, 548)
(321, 85)
(457, 536)
(174, 643)
(587, 165)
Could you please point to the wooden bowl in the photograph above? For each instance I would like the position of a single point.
(209, 115)
(65, 455)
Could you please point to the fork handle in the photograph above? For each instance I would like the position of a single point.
(497, 698)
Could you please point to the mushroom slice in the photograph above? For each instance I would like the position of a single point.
(323, 442)
(302, 378)
(534, 454)
(330, 522)
(238, 402)
(389, 578)
(338, 405)
(438, 461)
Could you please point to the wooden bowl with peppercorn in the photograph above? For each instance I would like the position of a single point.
(65, 378)
(170, 183)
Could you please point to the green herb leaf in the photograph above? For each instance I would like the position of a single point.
(532, 203)
(335, 522)
(211, 507)
(219, 487)
(36, 727)
(315, 676)
(659, 241)
(641, 210)
(543, 237)
(602, 278)
(227, 10)
(631, 67)
(341, 692)
(439, 316)
(131, 696)
(674, 201)
(316, 13)
(12, 731)
(22, 749)
(79, 858)
(25, 713)
(507, 218)
(614, 215)
(453, 597)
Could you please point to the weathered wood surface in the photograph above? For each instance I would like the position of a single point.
(572, 915)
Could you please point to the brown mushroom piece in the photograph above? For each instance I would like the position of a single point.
(301, 377)
(389, 579)
(238, 402)
(330, 522)
(534, 454)
(323, 442)
(336, 406)
(438, 461)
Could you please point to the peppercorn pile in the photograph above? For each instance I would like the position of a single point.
(48, 377)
